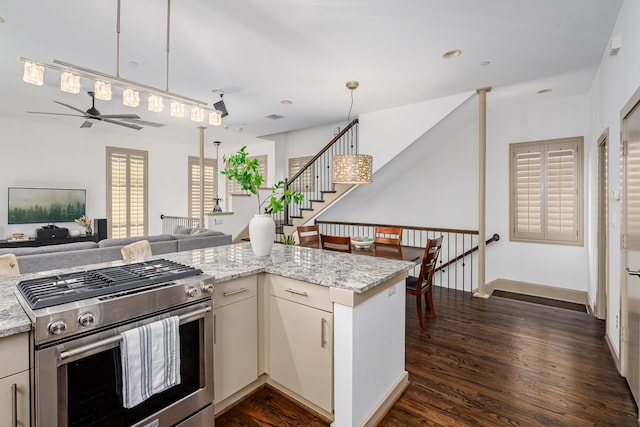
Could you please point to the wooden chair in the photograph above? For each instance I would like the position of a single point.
(9, 266)
(388, 235)
(308, 235)
(136, 250)
(336, 243)
(423, 284)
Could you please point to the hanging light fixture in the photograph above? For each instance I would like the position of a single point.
(197, 113)
(33, 73)
(69, 82)
(177, 108)
(215, 118)
(103, 90)
(217, 199)
(352, 168)
(156, 103)
(130, 97)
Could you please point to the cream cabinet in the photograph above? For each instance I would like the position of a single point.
(235, 348)
(301, 340)
(14, 381)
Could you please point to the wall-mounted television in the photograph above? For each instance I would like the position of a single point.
(45, 205)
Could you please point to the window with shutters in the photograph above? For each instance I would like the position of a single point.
(210, 183)
(234, 188)
(307, 179)
(546, 191)
(127, 192)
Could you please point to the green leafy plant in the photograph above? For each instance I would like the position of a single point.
(242, 169)
(288, 239)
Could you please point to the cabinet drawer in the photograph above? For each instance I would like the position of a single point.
(234, 290)
(316, 296)
(14, 354)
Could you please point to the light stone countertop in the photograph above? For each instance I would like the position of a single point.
(357, 273)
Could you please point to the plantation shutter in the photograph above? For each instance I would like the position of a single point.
(210, 183)
(126, 192)
(632, 194)
(307, 179)
(546, 191)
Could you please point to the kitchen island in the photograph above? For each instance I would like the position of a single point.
(361, 300)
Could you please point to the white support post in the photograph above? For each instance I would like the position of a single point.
(482, 186)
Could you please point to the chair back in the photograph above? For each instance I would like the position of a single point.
(336, 243)
(388, 235)
(308, 235)
(135, 250)
(429, 260)
(9, 266)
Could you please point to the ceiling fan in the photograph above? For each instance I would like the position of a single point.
(93, 114)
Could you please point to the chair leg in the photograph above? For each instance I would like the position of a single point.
(419, 307)
(428, 299)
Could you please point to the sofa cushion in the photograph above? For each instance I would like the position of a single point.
(180, 229)
(48, 248)
(127, 240)
(206, 233)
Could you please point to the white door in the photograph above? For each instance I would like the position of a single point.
(630, 304)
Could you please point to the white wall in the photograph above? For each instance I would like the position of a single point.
(617, 79)
(55, 153)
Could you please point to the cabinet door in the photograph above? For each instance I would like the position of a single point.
(235, 348)
(301, 350)
(14, 395)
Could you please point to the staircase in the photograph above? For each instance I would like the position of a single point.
(315, 181)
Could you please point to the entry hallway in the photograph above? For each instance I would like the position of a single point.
(494, 362)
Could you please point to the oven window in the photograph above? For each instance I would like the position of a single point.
(94, 385)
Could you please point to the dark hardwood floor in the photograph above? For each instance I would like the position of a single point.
(494, 362)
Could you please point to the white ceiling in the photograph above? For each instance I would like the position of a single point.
(261, 52)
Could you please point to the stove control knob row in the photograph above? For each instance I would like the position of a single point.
(86, 319)
(57, 327)
(207, 288)
(191, 292)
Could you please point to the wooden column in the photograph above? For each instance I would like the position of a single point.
(482, 186)
(202, 224)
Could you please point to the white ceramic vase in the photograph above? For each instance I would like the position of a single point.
(262, 234)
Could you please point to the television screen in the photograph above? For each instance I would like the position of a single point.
(45, 205)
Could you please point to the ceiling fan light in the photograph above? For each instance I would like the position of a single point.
(156, 103)
(103, 90)
(33, 73)
(177, 109)
(215, 118)
(197, 114)
(69, 82)
(130, 98)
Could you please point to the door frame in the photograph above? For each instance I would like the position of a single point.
(601, 304)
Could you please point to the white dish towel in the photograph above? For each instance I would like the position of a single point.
(150, 360)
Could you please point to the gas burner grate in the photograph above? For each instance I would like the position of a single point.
(54, 290)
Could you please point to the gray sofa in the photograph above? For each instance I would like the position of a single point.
(42, 258)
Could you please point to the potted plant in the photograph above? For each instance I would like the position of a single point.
(244, 171)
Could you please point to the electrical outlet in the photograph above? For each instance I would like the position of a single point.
(217, 221)
(392, 290)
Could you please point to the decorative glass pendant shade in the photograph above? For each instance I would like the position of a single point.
(33, 73)
(156, 103)
(177, 109)
(69, 82)
(197, 114)
(352, 169)
(130, 97)
(103, 90)
(215, 118)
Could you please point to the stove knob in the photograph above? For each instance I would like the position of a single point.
(86, 319)
(191, 292)
(57, 327)
(207, 288)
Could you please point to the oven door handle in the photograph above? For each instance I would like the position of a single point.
(82, 349)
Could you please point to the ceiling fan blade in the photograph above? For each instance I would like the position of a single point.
(119, 116)
(86, 124)
(115, 122)
(71, 106)
(57, 114)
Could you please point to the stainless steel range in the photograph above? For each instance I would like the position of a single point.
(78, 320)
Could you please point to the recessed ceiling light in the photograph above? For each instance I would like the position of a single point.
(133, 64)
(286, 102)
(217, 91)
(545, 90)
(453, 53)
(485, 63)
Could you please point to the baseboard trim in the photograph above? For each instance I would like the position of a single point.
(533, 289)
(614, 354)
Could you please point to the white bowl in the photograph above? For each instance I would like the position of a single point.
(362, 244)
